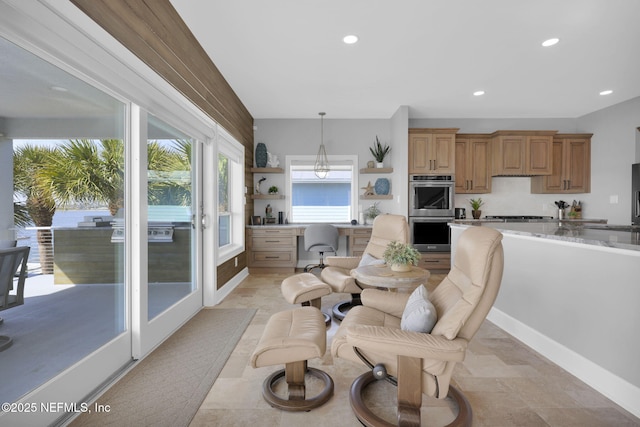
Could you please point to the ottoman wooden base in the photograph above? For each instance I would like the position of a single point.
(297, 390)
(291, 338)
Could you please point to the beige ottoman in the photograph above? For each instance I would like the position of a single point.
(291, 338)
(306, 289)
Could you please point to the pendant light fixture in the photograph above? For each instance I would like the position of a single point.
(321, 167)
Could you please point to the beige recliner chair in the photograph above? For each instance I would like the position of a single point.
(337, 271)
(419, 361)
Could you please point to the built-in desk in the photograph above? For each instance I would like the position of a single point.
(274, 248)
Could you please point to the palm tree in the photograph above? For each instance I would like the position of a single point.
(28, 163)
(88, 171)
(169, 173)
(93, 172)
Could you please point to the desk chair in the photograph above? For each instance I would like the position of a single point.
(386, 229)
(320, 238)
(10, 260)
(395, 335)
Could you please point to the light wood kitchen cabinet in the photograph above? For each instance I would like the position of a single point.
(432, 151)
(571, 166)
(473, 163)
(521, 153)
(272, 248)
(438, 262)
(358, 240)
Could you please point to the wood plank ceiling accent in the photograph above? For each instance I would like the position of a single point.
(154, 32)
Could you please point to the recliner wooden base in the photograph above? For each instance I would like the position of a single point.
(408, 415)
(294, 374)
(342, 308)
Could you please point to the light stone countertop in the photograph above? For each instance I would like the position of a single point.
(605, 235)
(304, 225)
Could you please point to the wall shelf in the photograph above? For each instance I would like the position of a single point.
(376, 170)
(267, 170)
(267, 196)
(378, 197)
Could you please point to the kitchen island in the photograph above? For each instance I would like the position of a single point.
(571, 292)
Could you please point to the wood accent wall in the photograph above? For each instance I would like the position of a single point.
(155, 33)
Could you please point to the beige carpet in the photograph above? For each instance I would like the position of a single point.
(168, 386)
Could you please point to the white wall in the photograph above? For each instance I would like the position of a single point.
(341, 137)
(613, 150)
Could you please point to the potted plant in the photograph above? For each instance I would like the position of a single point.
(476, 204)
(371, 212)
(400, 256)
(273, 190)
(379, 152)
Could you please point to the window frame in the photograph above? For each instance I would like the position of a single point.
(351, 160)
(229, 147)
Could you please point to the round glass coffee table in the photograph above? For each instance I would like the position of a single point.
(381, 276)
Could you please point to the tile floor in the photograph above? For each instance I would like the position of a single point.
(506, 382)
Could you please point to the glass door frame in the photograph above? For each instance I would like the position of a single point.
(148, 334)
(61, 34)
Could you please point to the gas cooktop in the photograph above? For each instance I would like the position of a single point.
(517, 217)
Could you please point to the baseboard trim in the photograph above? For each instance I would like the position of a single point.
(228, 287)
(610, 385)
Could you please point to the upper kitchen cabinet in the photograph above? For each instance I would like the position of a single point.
(571, 166)
(432, 151)
(519, 153)
(473, 163)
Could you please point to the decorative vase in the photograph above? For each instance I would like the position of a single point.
(476, 214)
(370, 164)
(382, 186)
(261, 155)
(401, 268)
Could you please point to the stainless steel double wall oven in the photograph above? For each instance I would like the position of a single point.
(430, 210)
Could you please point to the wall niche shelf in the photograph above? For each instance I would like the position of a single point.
(267, 170)
(377, 197)
(376, 170)
(267, 196)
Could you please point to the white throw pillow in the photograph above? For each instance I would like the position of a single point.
(368, 259)
(419, 314)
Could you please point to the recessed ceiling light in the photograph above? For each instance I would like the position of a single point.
(478, 93)
(350, 39)
(550, 42)
(606, 92)
(59, 88)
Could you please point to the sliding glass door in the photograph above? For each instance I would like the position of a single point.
(173, 242)
(65, 142)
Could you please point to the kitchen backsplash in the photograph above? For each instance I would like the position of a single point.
(512, 196)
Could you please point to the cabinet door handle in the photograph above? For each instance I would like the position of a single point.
(272, 241)
(272, 257)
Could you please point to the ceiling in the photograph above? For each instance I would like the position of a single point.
(286, 58)
(33, 88)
